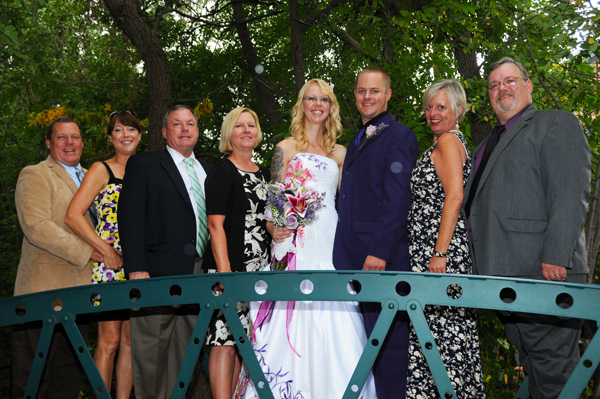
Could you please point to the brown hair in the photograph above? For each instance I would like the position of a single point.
(125, 118)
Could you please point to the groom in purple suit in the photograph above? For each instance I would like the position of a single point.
(373, 205)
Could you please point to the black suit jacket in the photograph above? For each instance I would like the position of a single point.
(157, 226)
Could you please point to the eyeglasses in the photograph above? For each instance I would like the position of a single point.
(118, 112)
(510, 81)
(313, 99)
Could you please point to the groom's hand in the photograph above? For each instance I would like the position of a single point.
(375, 264)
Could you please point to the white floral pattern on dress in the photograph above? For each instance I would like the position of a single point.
(256, 255)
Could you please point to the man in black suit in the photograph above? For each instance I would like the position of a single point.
(162, 226)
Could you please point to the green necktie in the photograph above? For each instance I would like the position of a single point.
(198, 194)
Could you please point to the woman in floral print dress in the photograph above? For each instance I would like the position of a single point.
(101, 187)
(235, 202)
(438, 244)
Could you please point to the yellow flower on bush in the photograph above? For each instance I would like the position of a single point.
(204, 109)
(46, 117)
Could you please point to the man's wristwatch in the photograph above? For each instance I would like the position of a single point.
(441, 254)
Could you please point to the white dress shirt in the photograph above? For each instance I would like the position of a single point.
(71, 171)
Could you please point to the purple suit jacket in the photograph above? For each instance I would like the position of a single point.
(374, 199)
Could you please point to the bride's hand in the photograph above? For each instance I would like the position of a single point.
(279, 234)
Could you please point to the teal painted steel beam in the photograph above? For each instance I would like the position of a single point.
(387, 288)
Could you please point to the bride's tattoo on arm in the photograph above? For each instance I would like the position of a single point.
(277, 165)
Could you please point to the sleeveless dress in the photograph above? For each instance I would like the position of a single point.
(256, 255)
(454, 329)
(106, 207)
(328, 336)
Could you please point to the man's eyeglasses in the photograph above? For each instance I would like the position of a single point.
(118, 112)
(510, 81)
(313, 99)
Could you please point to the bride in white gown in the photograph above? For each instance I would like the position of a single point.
(326, 339)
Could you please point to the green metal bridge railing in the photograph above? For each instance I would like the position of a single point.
(388, 288)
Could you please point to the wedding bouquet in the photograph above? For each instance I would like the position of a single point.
(290, 205)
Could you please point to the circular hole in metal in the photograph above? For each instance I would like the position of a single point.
(307, 287)
(354, 287)
(135, 295)
(587, 363)
(216, 289)
(428, 345)
(181, 385)
(354, 388)
(100, 390)
(564, 300)
(196, 341)
(403, 288)
(448, 395)
(261, 287)
(261, 384)
(80, 349)
(454, 291)
(242, 340)
(375, 342)
(57, 304)
(508, 295)
(40, 355)
(20, 310)
(95, 299)
(175, 291)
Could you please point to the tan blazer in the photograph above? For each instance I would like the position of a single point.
(53, 256)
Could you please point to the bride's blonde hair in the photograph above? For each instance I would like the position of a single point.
(332, 126)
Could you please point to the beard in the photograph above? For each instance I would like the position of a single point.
(510, 107)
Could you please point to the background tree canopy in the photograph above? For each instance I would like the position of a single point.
(85, 59)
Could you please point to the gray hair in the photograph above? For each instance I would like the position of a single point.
(454, 91)
(175, 108)
(508, 60)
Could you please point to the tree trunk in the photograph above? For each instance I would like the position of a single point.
(467, 68)
(147, 42)
(265, 93)
(296, 42)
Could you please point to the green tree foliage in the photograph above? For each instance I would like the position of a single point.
(73, 54)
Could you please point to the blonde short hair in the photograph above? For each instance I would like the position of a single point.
(229, 123)
(332, 126)
(454, 91)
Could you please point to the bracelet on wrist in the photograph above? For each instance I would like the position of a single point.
(440, 254)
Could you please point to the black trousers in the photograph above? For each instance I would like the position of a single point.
(62, 373)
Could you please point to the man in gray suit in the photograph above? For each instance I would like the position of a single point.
(526, 202)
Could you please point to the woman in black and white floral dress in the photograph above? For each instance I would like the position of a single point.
(235, 203)
(438, 244)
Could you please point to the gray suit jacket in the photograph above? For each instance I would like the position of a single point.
(531, 203)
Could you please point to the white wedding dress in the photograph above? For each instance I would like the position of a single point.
(329, 337)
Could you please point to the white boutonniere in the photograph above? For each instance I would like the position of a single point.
(373, 131)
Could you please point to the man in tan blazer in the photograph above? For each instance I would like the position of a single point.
(52, 257)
